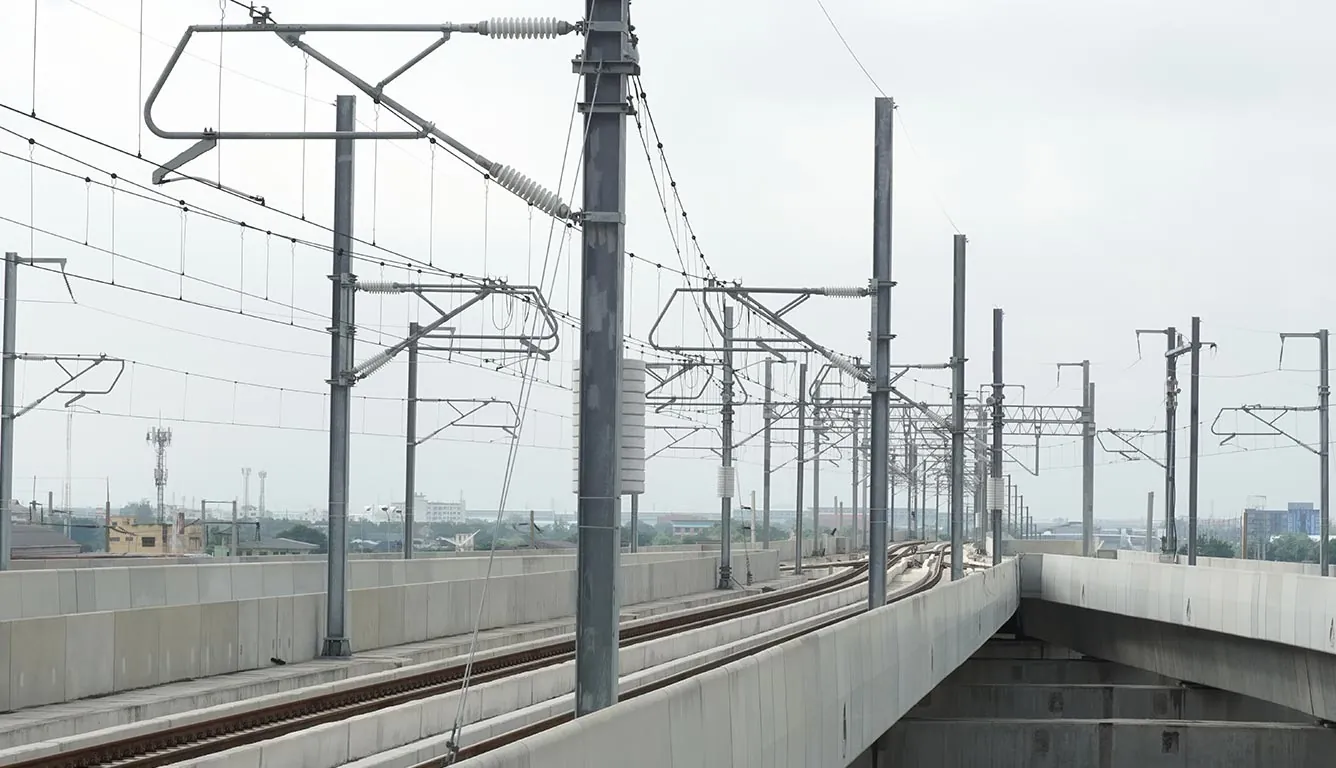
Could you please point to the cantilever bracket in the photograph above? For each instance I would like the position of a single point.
(68, 365)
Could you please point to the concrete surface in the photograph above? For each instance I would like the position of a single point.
(1127, 702)
(1270, 636)
(52, 660)
(1232, 563)
(1105, 743)
(392, 727)
(813, 702)
(40, 593)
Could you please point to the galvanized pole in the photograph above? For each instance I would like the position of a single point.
(802, 440)
(997, 489)
(1170, 442)
(958, 413)
(410, 441)
(635, 522)
(7, 406)
(1193, 438)
(981, 482)
(342, 325)
(1150, 523)
(768, 416)
(818, 548)
(1324, 455)
(880, 426)
(236, 531)
(853, 497)
(1087, 462)
(726, 476)
(605, 65)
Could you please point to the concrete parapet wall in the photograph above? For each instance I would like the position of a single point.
(1231, 563)
(1012, 547)
(135, 561)
(1290, 609)
(813, 702)
(1265, 635)
(41, 593)
(59, 658)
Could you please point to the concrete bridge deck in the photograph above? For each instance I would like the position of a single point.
(827, 698)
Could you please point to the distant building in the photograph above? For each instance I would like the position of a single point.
(36, 542)
(427, 511)
(689, 526)
(128, 537)
(1297, 517)
(276, 547)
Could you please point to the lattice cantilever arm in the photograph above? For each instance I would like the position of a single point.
(67, 365)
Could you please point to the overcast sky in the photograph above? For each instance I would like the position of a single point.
(1116, 165)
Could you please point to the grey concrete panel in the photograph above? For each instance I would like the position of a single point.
(137, 636)
(1051, 672)
(214, 582)
(111, 589)
(1274, 672)
(11, 598)
(148, 586)
(1107, 744)
(69, 592)
(218, 639)
(36, 662)
(90, 655)
(248, 634)
(179, 629)
(1134, 702)
(5, 700)
(41, 593)
(182, 586)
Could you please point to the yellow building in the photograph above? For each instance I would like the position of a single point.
(128, 537)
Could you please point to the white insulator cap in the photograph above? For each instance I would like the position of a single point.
(380, 286)
(373, 364)
(845, 291)
(726, 482)
(510, 27)
(530, 191)
(846, 365)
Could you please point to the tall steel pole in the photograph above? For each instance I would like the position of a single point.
(1170, 442)
(726, 470)
(818, 548)
(342, 325)
(981, 482)
(1193, 437)
(958, 413)
(997, 491)
(7, 406)
(1150, 523)
(605, 64)
(1087, 462)
(410, 441)
(880, 426)
(1324, 455)
(768, 416)
(635, 523)
(802, 439)
(853, 497)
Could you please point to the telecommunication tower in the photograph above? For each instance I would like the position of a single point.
(263, 475)
(160, 438)
(245, 492)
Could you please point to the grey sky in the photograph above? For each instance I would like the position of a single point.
(1116, 165)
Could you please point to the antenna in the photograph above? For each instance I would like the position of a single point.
(160, 438)
(263, 474)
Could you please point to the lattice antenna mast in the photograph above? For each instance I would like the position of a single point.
(160, 438)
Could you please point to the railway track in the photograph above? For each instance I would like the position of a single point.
(187, 742)
(484, 746)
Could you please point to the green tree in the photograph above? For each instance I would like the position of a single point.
(1292, 548)
(307, 534)
(142, 511)
(1211, 546)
